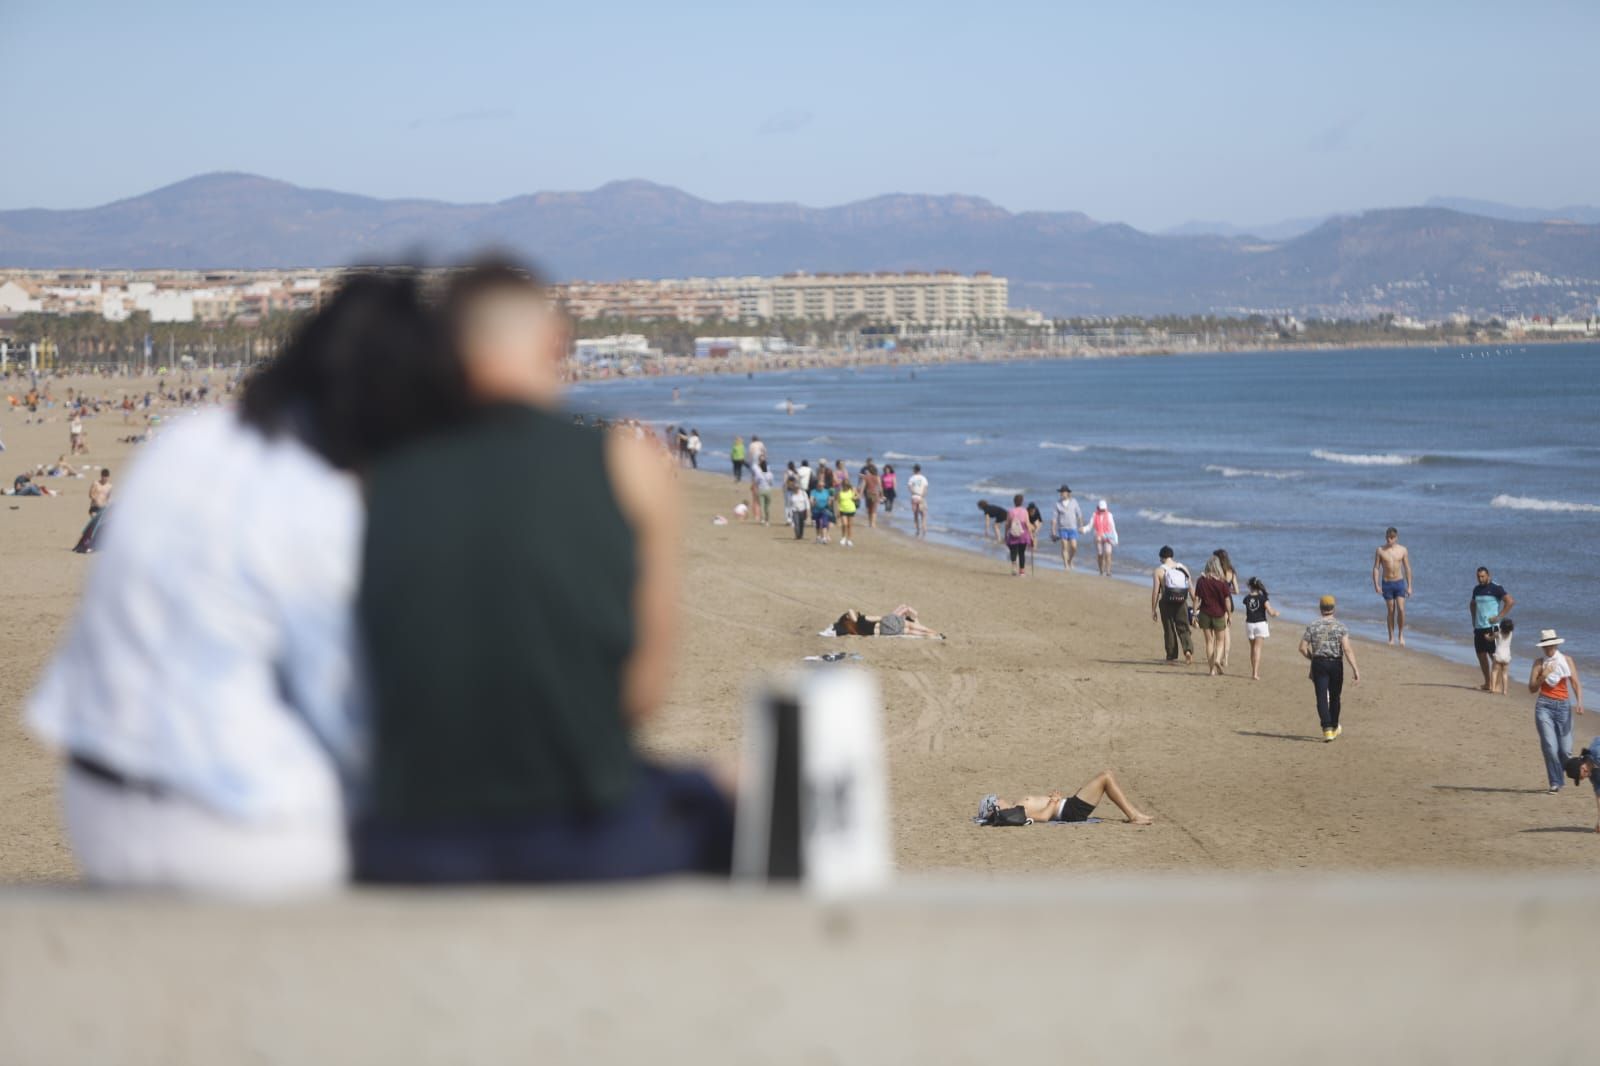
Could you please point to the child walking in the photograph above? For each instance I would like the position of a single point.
(1257, 609)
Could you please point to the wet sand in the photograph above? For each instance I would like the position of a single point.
(1042, 682)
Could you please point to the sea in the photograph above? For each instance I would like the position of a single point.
(1293, 461)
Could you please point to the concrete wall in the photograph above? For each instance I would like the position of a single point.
(1066, 972)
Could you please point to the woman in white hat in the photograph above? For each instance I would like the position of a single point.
(1560, 694)
(1105, 536)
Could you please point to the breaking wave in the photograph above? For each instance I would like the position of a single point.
(987, 488)
(1380, 459)
(1063, 447)
(1167, 518)
(1239, 471)
(903, 457)
(1530, 503)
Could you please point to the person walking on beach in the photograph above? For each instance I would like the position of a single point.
(799, 507)
(888, 489)
(1391, 579)
(761, 482)
(1326, 643)
(1560, 693)
(1257, 609)
(1018, 536)
(100, 492)
(1500, 680)
(805, 475)
(758, 451)
(848, 502)
(1169, 604)
(1065, 521)
(75, 433)
(1105, 536)
(917, 485)
(695, 444)
(737, 454)
(871, 492)
(1489, 603)
(822, 503)
(1231, 576)
(1214, 598)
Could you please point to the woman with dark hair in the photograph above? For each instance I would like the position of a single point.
(1231, 576)
(900, 622)
(206, 699)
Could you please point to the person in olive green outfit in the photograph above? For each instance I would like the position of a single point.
(738, 455)
(515, 640)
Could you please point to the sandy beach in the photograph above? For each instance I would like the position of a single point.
(1042, 682)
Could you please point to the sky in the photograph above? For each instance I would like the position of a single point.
(1150, 113)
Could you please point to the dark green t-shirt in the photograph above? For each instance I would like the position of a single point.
(496, 605)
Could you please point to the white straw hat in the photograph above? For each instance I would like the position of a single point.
(1548, 638)
(1101, 506)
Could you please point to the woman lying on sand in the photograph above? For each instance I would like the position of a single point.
(900, 622)
(1074, 808)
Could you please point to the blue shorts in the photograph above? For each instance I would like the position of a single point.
(822, 519)
(1394, 590)
(1069, 534)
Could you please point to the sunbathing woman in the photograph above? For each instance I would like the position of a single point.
(900, 622)
(1081, 804)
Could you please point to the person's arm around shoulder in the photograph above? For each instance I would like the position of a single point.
(648, 497)
(1350, 657)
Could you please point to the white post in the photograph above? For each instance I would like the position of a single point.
(33, 357)
(5, 356)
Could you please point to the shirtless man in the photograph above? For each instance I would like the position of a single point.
(1081, 804)
(100, 491)
(917, 485)
(1391, 579)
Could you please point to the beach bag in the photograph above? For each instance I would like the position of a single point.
(1009, 817)
(1017, 529)
(1171, 593)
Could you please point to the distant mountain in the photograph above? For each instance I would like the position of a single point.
(1270, 231)
(1413, 260)
(1589, 216)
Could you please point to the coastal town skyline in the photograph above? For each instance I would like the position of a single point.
(1153, 118)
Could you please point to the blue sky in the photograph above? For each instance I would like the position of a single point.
(1151, 113)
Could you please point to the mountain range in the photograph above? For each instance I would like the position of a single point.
(1450, 256)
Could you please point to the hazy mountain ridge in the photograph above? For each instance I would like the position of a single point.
(1424, 260)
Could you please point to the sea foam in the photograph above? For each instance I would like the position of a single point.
(1063, 447)
(1381, 459)
(1530, 503)
(985, 488)
(903, 457)
(1167, 518)
(1239, 471)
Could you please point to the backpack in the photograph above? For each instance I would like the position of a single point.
(1017, 529)
(1171, 593)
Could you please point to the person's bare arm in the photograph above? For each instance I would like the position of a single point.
(648, 498)
(1505, 607)
(1305, 648)
(1155, 594)
(1536, 675)
(1350, 657)
(1377, 571)
(1271, 610)
(1597, 812)
(1405, 564)
(1576, 685)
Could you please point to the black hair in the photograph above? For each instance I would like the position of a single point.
(1391, 531)
(366, 372)
(1016, 501)
(1166, 552)
(1507, 625)
(1255, 583)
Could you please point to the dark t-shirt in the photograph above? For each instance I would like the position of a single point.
(1213, 594)
(994, 512)
(1255, 607)
(497, 620)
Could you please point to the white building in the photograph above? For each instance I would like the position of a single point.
(912, 298)
(624, 346)
(17, 299)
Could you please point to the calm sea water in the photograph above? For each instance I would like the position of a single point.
(1293, 462)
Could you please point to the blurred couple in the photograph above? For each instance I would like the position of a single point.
(394, 619)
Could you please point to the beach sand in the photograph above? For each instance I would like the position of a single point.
(1042, 682)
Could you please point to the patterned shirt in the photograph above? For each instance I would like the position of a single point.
(1325, 636)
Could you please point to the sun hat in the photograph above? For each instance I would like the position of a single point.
(1063, 488)
(1329, 603)
(1548, 638)
(1101, 506)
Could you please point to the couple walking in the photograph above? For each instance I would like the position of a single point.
(220, 731)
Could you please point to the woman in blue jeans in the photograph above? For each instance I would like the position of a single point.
(1555, 679)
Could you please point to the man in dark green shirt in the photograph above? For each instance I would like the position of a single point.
(515, 638)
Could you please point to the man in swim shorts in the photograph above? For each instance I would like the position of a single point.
(1081, 804)
(1391, 579)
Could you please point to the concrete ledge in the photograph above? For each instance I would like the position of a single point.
(1085, 971)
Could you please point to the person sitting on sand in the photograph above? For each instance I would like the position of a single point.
(900, 622)
(1056, 807)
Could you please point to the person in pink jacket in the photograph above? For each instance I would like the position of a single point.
(1018, 536)
(1105, 536)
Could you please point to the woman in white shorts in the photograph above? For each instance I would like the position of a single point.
(1257, 609)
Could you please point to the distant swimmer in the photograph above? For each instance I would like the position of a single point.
(1391, 579)
(917, 485)
(788, 407)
